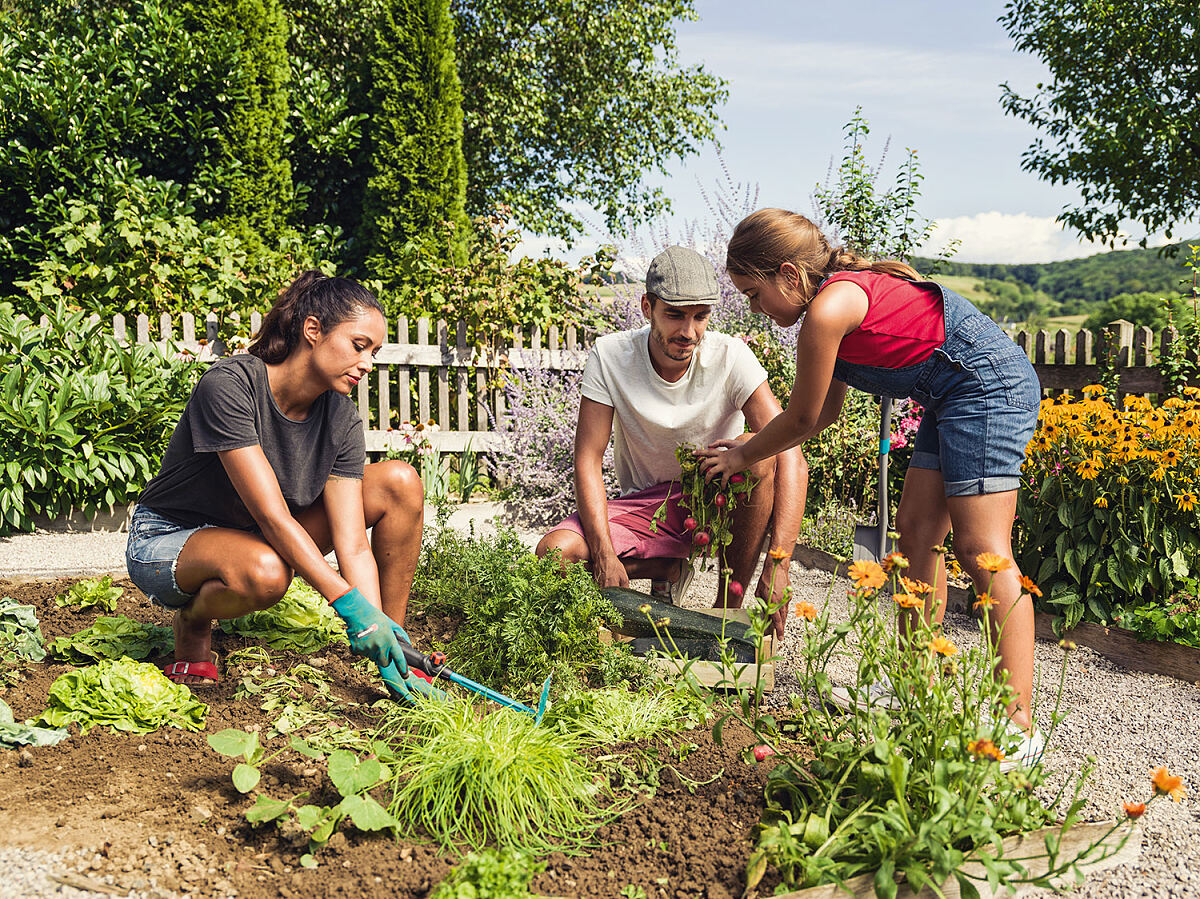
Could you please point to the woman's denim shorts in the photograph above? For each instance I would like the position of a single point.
(153, 551)
(985, 414)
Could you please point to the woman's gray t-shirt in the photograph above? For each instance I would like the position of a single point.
(232, 407)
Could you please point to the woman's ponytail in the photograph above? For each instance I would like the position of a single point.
(330, 300)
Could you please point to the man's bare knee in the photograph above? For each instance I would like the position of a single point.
(570, 545)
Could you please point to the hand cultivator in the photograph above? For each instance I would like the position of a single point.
(434, 665)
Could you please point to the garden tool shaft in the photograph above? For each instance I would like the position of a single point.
(434, 665)
(871, 542)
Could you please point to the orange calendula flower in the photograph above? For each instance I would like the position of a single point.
(908, 601)
(1134, 810)
(893, 561)
(806, 610)
(985, 601)
(993, 562)
(867, 575)
(942, 646)
(1168, 784)
(985, 749)
(1029, 586)
(912, 585)
(779, 554)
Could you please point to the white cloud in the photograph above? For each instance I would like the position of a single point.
(1009, 238)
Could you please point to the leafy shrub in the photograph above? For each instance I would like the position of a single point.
(138, 248)
(522, 617)
(1108, 511)
(83, 420)
(1176, 619)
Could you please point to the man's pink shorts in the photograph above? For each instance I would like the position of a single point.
(629, 523)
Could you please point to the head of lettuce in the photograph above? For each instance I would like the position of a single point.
(124, 694)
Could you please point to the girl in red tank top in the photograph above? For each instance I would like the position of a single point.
(878, 327)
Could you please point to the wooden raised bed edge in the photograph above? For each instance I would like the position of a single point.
(1076, 839)
(1114, 643)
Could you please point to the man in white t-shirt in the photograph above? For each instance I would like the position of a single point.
(651, 390)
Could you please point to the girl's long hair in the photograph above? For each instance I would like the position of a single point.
(766, 239)
(330, 300)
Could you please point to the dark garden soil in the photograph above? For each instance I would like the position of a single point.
(160, 810)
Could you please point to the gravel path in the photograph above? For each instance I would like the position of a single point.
(1129, 721)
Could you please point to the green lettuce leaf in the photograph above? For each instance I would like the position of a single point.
(300, 622)
(14, 734)
(112, 638)
(124, 694)
(97, 592)
(20, 633)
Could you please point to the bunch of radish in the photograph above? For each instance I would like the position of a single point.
(710, 506)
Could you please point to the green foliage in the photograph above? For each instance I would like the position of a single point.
(1013, 300)
(874, 224)
(302, 621)
(502, 778)
(607, 717)
(112, 638)
(490, 293)
(1144, 309)
(257, 179)
(418, 177)
(545, 83)
(1118, 110)
(141, 250)
(125, 695)
(522, 617)
(913, 791)
(14, 734)
(91, 593)
(93, 91)
(1077, 285)
(1176, 619)
(1107, 511)
(491, 874)
(1180, 365)
(20, 633)
(83, 420)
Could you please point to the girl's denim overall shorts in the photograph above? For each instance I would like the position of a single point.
(981, 398)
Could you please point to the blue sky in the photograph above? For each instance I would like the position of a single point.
(927, 75)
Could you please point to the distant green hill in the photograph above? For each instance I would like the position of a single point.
(1083, 287)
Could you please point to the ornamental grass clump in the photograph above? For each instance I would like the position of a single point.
(909, 783)
(606, 717)
(1109, 507)
(468, 778)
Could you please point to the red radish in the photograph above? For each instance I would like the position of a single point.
(736, 478)
(735, 589)
(761, 752)
(719, 500)
(689, 524)
(702, 538)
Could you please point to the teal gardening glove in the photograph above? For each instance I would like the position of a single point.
(372, 633)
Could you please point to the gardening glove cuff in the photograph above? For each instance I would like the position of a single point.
(371, 633)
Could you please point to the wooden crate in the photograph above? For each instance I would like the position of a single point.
(714, 674)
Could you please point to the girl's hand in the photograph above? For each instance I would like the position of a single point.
(722, 459)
